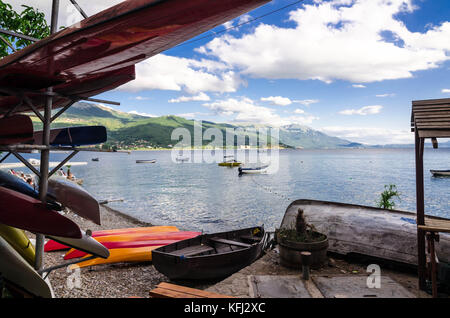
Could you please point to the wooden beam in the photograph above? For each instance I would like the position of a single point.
(434, 133)
(420, 207)
(431, 101)
(435, 143)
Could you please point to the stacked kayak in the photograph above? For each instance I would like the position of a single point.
(126, 245)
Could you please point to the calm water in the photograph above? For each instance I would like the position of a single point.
(211, 198)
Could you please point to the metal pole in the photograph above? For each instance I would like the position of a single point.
(420, 206)
(45, 154)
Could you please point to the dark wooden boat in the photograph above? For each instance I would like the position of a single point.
(210, 256)
(146, 161)
(440, 173)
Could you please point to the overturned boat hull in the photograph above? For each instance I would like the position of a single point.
(355, 229)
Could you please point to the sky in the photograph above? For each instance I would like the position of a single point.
(349, 68)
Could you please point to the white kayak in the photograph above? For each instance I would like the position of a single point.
(86, 244)
(78, 200)
(357, 229)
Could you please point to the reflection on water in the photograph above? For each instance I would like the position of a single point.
(203, 196)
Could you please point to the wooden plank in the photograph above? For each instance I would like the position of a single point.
(428, 107)
(165, 293)
(192, 250)
(433, 119)
(184, 292)
(431, 111)
(434, 133)
(433, 125)
(229, 242)
(431, 101)
(425, 116)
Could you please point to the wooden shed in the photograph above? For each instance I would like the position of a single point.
(429, 119)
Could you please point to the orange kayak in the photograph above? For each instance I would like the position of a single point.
(55, 246)
(136, 240)
(119, 255)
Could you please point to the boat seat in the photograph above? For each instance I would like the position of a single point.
(229, 242)
(192, 250)
(250, 238)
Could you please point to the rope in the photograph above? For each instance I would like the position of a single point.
(268, 189)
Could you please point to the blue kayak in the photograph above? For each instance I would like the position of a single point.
(12, 182)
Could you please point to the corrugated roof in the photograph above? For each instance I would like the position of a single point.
(431, 118)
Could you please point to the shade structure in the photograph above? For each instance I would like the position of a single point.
(100, 53)
(429, 119)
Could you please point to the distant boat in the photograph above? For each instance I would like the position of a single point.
(440, 173)
(229, 162)
(146, 161)
(252, 170)
(95, 159)
(210, 256)
(182, 159)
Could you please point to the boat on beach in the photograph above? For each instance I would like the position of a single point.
(389, 235)
(440, 173)
(210, 256)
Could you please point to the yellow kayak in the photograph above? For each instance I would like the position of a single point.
(19, 241)
(119, 255)
(230, 164)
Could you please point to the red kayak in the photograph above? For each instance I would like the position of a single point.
(16, 129)
(73, 253)
(21, 211)
(116, 235)
(99, 53)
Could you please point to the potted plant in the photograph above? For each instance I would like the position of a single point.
(303, 237)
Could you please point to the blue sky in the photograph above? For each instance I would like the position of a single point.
(349, 68)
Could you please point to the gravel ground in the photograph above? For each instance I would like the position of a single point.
(103, 281)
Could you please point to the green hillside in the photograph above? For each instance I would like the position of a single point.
(127, 130)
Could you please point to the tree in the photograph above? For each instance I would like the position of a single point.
(30, 22)
(386, 197)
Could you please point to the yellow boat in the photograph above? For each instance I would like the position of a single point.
(19, 241)
(119, 255)
(230, 164)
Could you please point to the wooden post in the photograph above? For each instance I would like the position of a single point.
(306, 262)
(420, 206)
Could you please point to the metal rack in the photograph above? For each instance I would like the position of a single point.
(43, 173)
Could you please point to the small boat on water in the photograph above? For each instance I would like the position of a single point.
(210, 256)
(182, 159)
(229, 162)
(95, 159)
(362, 230)
(252, 170)
(146, 161)
(440, 173)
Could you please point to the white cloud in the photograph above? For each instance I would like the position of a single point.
(134, 112)
(166, 72)
(369, 135)
(277, 100)
(141, 98)
(245, 110)
(366, 110)
(358, 41)
(299, 111)
(202, 97)
(358, 86)
(445, 90)
(306, 102)
(385, 95)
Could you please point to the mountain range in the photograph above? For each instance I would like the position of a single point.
(132, 130)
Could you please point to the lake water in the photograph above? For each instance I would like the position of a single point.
(204, 196)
